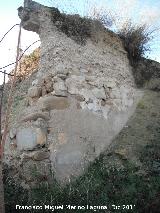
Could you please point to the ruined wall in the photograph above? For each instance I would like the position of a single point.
(82, 97)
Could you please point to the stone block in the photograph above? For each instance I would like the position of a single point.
(115, 93)
(12, 133)
(41, 136)
(74, 84)
(49, 86)
(60, 86)
(60, 89)
(35, 115)
(109, 83)
(44, 91)
(29, 138)
(99, 93)
(52, 102)
(40, 155)
(26, 139)
(34, 92)
(35, 82)
(79, 98)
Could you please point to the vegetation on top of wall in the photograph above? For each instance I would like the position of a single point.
(74, 26)
(135, 39)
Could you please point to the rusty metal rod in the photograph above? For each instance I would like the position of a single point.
(10, 98)
(1, 102)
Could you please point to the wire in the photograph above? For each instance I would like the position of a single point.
(19, 57)
(8, 32)
(6, 73)
(10, 98)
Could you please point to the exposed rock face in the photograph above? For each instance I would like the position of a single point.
(87, 90)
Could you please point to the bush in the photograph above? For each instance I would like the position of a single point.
(74, 26)
(81, 28)
(135, 39)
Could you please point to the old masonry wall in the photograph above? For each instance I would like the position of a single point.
(82, 97)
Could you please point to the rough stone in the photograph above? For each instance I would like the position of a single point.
(98, 82)
(35, 116)
(40, 122)
(60, 69)
(90, 78)
(60, 88)
(41, 136)
(32, 101)
(26, 139)
(52, 102)
(79, 98)
(63, 77)
(103, 103)
(109, 83)
(74, 84)
(29, 138)
(12, 133)
(49, 86)
(94, 107)
(40, 155)
(47, 79)
(61, 93)
(122, 153)
(35, 82)
(34, 92)
(99, 93)
(25, 156)
(44, 91)
(115, 93)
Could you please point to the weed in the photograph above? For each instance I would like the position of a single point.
(141, 105)
(99, 186)
(14, 193)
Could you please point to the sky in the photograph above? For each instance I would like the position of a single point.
(139, 10)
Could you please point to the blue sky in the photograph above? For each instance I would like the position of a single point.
(137, 9)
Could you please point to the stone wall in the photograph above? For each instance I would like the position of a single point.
(82, 97)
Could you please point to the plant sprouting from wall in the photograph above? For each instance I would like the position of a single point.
(136, 40)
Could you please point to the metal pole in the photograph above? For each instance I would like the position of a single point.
(10, 98)
(2, 205)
